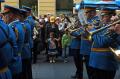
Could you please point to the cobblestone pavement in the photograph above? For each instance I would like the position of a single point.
(58, 70)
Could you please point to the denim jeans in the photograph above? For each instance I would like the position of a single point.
(65, 52)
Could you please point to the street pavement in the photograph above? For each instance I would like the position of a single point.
(58, 70)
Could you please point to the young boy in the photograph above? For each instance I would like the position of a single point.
(66, 39)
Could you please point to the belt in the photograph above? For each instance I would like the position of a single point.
(85, 39)
(19, 54)
(26, 44)
(100, 50)
(4, 69)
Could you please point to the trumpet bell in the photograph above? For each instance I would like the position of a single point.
(117, 53)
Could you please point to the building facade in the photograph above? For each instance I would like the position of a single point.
(54, 6)
(14, 3)
(47, 6)
(77, 1)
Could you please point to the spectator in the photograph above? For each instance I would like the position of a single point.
(65, 45)
(52, 48)
(51, 27)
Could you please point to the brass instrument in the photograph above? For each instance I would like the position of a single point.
(72, 27)
(89, 34)
(83, 22)
(99, 30)
(116, 53)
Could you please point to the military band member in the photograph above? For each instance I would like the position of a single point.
(75, 51)
(102, 61)
(85, 48)
(12, 19)
(31, 21)
(26, 55)
(6, 51)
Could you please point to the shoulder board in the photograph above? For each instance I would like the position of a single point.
(26, 20)
(13, 22)
(16, 21)
(29, 17)
(11, 25)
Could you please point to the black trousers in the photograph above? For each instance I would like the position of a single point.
(17, 76)
(78, 62)
(26, 69)
(88, 68)
(59, 49)
(47, 56)
(102, 74)
(35, 54)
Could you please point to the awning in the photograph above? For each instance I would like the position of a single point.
(118, 2)
(2, 0)
(101, 4)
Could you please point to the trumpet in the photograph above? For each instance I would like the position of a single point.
(88, 35)
(99, 30)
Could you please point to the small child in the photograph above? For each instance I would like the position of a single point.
(66, 39)
(52, 48)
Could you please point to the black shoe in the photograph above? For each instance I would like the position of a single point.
(74, 76)
(34, 62)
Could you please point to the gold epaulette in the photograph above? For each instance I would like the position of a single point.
(16, 33)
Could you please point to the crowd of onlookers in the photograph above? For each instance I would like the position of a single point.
(51, 35)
